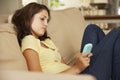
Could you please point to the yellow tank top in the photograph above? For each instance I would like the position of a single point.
(50, 58)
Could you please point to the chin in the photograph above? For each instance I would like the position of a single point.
(41, 34)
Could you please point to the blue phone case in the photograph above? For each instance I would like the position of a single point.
(87, 48)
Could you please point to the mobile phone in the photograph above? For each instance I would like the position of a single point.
(87, 48)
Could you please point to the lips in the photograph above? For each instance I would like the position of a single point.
(44, 29)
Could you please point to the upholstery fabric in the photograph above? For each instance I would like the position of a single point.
(3, 18)
(66, 29)
(11, 57)
(23, 75)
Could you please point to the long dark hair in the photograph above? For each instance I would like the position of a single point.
(22, 20)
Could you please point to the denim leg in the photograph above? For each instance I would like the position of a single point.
(101, 61)
(116, 61)
(93, 34)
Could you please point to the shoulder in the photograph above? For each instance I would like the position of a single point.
(29, 37)
(30, 42)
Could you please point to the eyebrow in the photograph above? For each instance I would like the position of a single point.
(44, 16)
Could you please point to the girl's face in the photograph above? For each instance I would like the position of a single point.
(39, 23)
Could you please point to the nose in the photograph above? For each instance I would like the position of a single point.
(45, 22)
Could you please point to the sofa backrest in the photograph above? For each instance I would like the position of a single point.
(3, 18)
(66, 29)
(11, 57)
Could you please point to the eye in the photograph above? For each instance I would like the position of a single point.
(42, 19)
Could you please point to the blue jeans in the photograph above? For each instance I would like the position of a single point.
(105, 62)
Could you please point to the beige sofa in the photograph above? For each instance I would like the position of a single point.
(65, 29)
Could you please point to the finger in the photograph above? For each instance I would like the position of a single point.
(87, 59)
(89, 55)
(87, 62)
(85, 54)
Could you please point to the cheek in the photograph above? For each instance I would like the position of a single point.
(35, 25)
(34, 28)
(37, 30)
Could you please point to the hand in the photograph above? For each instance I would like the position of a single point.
(83, 61)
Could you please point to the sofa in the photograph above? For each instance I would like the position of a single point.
(66, 29)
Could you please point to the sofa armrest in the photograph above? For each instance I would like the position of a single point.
(24, 75)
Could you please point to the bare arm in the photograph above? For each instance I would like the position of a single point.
(82, 62)
(32, 60)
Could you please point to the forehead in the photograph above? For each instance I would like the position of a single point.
(43, 13)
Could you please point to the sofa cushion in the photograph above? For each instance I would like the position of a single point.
(3, 18)
(10, 55)
(66, 30)
(23, 75)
